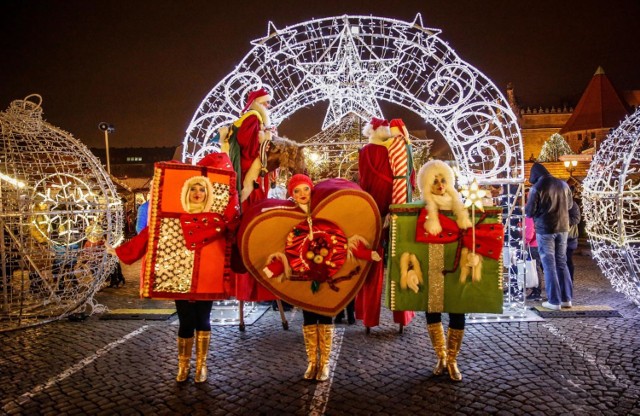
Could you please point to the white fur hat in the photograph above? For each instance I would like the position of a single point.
(426, 177)
(377, 130)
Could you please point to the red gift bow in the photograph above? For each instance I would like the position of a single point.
(201, 229)
(489, 237)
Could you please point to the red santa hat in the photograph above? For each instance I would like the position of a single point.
(298, 179)
(261, 95)
(377, 130)
(398, 128)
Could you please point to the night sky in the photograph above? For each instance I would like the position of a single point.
(145, 66)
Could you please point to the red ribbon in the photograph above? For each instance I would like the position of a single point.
(489, 237)
(201, 229)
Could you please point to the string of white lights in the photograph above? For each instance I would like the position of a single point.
(57, 207)
(611, 205)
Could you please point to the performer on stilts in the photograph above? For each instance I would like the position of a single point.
(386, 173)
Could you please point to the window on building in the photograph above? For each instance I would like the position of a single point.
(579, 136)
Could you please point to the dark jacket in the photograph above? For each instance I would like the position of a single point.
(549, 202)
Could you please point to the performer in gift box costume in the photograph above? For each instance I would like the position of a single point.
(186, 248)
(436, 183)
(386, 173)
(313, 252)
(444, 259)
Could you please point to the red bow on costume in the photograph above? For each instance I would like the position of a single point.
(489, 237)
(201, 229)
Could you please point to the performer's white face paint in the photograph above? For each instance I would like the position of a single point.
(302, 194)
(439, 185)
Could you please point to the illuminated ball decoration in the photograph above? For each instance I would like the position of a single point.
(58, 206)
(351, 64)
(611, 207)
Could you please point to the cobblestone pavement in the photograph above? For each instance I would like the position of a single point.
(576, 366)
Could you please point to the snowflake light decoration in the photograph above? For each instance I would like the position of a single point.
(57, 205)
(611, 207)
(353, 63)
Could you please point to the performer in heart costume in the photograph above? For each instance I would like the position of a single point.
(313, 252)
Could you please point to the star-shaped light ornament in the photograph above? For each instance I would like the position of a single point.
(473, 195)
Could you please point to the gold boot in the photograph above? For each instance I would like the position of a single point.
(202, 350)
(436, 333)
(310, 333)
(454, 342)
(185, 347)
(325, 339)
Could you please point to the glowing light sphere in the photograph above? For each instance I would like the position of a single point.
(58, 206)
(611, 207)
(353, 63)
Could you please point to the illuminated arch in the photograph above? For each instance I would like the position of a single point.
(353, 62)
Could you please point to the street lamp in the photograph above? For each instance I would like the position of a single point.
(570, 166)
(107, 128)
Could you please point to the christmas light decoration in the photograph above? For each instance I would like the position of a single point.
(611, 207)
(57, 205)
(553, 148)
(355, 62)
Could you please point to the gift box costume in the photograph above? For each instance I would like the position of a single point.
(192, 209)
(440, 262)
(386, 173)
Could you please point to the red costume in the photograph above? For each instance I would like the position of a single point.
(249, 134)
(377, 178)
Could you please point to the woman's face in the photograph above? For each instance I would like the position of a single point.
(439, 185)
(197, 193)
(302, 193)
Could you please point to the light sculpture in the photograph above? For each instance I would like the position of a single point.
(57, 205)
(611, 207)
(355, 62)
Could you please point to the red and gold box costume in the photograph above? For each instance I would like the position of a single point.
(187, 254)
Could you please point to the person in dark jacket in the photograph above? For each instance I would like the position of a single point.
(548, 204)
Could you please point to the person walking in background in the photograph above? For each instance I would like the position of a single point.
(572, 239)
(548, 204)
(532, 247)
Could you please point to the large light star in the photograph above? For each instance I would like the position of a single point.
(348, 81)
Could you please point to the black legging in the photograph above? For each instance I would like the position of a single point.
(456, 320)
(193, 316)
(312, 318)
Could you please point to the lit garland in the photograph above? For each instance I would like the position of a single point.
(611, 207)
(353, 62)
(57, 204)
